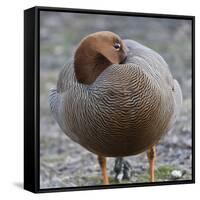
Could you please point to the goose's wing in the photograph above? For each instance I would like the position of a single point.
(57, 96)
(54, 102)
(177, 94)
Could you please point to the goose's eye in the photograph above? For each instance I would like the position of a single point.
(117, 46)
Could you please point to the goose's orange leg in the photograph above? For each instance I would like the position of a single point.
(102, 163)
(151, 154)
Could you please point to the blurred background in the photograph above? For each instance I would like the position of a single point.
(64, 163)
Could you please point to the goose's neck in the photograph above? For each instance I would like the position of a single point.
(88, 64)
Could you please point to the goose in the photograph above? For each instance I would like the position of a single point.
(115, 98)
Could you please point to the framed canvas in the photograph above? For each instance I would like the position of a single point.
(108, 99)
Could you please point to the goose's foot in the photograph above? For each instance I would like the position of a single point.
(102, 163)
(122, 169)
(151, 154)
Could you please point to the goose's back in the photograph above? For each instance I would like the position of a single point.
(126, 110)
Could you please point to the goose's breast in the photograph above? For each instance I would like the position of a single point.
(123, 114)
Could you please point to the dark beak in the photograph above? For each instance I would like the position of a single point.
(124, 57)
(123, 60)
(125, 53)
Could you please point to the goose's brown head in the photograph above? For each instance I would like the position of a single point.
(95, 53)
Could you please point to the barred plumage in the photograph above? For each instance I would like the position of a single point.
(125, 110)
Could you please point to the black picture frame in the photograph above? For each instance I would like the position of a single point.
(32, 97)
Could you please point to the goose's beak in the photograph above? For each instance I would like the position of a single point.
(123, 60)
(125, 54)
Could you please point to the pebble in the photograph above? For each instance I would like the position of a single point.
(176, 174)
(120, 177)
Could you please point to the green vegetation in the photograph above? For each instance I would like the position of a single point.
(162, 173)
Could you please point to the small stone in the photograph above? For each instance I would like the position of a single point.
(120, 177)
(176, 174)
